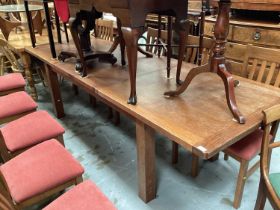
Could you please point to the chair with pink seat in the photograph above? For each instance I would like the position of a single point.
(27, 131)
(85, 196)
(38, 173)
(11, 83)
(15, 105)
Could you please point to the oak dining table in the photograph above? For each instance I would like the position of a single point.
(198, 119)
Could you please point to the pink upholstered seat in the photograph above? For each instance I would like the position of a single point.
(38, 169)
(11, 81)
(248, 147)
(30, 130)
(85, 196)
(16, 103)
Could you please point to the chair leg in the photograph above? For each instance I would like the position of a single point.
(79, 180)
(75, 89)
(195, 166)
(261, 198)
(242, 177)
(174, 153)
(116, 117)
(225, 156)
(2, 64)
(110, 113)
(61, 140)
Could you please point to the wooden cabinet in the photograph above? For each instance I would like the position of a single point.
(243, 32)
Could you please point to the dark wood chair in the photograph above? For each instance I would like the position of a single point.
(269, 182)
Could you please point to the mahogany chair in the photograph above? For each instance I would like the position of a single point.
(85, 196)
(192, 49)
(104, 29)
(15, 105)
(38, 173)
(11, 83)
(27, 131)
(269, 186)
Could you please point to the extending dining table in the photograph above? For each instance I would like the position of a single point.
(198, 120)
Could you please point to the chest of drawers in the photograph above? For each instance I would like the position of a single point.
(243, 32)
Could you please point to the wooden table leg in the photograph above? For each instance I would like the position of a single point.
(55, 92)
(146, 162)
(26, 65)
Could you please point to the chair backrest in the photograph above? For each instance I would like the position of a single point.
(152, 35)
(192, 50)
(104, 29)
(263, 65)
(271, 121)
(7, 51)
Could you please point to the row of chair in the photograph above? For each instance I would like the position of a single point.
(36, 164)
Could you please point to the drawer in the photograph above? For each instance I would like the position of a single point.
(257, 36)
(209, 29)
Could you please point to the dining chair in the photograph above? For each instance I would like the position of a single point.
(38, 173)
(152, 40)
(15, 105)
(104, 29)
(269, 186)
(192, 51)
(8, 58)
(84, 196)
(262, 65)
(28, 131)
(11, 83)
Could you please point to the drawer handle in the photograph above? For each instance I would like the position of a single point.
(257, 36)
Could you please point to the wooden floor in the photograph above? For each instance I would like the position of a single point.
(199, 119)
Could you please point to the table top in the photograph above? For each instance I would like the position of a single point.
(19, 8)
(199, 119)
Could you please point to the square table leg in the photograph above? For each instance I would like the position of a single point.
(55, 92)
(146, 161)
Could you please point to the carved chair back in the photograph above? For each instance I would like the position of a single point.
(104, 29)
(10, 56)
(191, 55)
(262, 65)
(267, 187)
